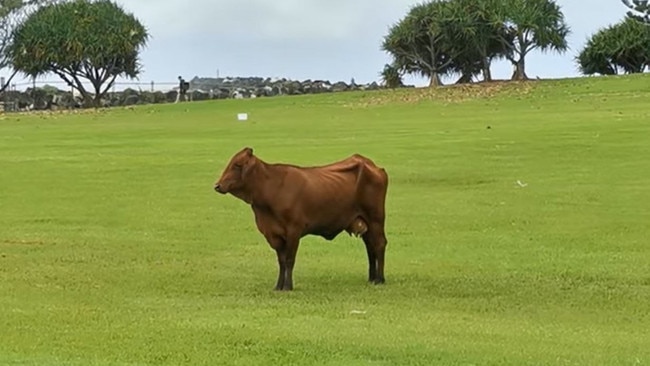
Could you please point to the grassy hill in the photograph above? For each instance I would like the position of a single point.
(518, 225)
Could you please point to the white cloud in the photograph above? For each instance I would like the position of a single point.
(264, 19)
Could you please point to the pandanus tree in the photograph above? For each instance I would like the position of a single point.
(531, 25)
(480, 37)
(638, 10)
(624, 46)
(80, 40)
(444, 37)
(12, 13)
(420, 43)
(391, 76)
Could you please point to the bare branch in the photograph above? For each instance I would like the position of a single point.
(6, 84)
(109, 85)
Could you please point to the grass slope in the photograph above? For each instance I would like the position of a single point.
(114, 250)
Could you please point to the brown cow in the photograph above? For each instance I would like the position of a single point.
(290, 202)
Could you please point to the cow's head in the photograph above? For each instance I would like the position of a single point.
(233, 177)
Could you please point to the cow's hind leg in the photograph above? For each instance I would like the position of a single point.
(375, 240)
(380, 250)
(372, 259)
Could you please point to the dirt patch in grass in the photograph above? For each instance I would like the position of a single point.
(445, 94)
(63, 112)
(23, 242)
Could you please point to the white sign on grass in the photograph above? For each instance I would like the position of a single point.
(242, 116)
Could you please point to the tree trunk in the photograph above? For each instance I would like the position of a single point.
(87, 98)
(466, 78)
(97, 97)
(520, 70)
(97, 102)
(487, 73)
(435, 80)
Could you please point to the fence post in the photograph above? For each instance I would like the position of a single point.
(4, 95)
(152, 86)
(34, 92)
(14, 105)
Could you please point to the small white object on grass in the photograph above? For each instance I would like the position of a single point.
(521, 184)
(242, 116)
(357, 312)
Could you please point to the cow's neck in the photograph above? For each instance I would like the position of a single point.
(262, 184)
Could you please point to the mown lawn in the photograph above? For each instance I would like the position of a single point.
(518, 227)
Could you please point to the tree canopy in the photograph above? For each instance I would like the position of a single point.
(12, 13)
(80, 39)
(532, 24)
(420, 43)
(624, 46)
(391, 76)
(445, 37)
(639, 9)
(481, 37)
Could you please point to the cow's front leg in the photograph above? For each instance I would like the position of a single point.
(278, 244)
(291, 248)
(282, 259)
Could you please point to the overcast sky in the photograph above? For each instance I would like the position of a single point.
(310, 39)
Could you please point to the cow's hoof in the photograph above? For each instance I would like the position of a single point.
(282, 289)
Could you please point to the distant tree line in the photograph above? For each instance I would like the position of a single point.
(97, 41)
(463, 37)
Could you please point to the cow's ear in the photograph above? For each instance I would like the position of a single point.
(247, 167)
(249, 151)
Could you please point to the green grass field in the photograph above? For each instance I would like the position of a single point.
(525, 243)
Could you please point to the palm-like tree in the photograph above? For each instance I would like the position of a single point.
(391, 76)
(419, 43)
(639, 9)
(443, 37)
(532, 24)
(624, 46)
(478, 37)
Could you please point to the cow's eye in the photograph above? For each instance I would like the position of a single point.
(237, 166)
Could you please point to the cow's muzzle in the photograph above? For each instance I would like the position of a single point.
(218, 188)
